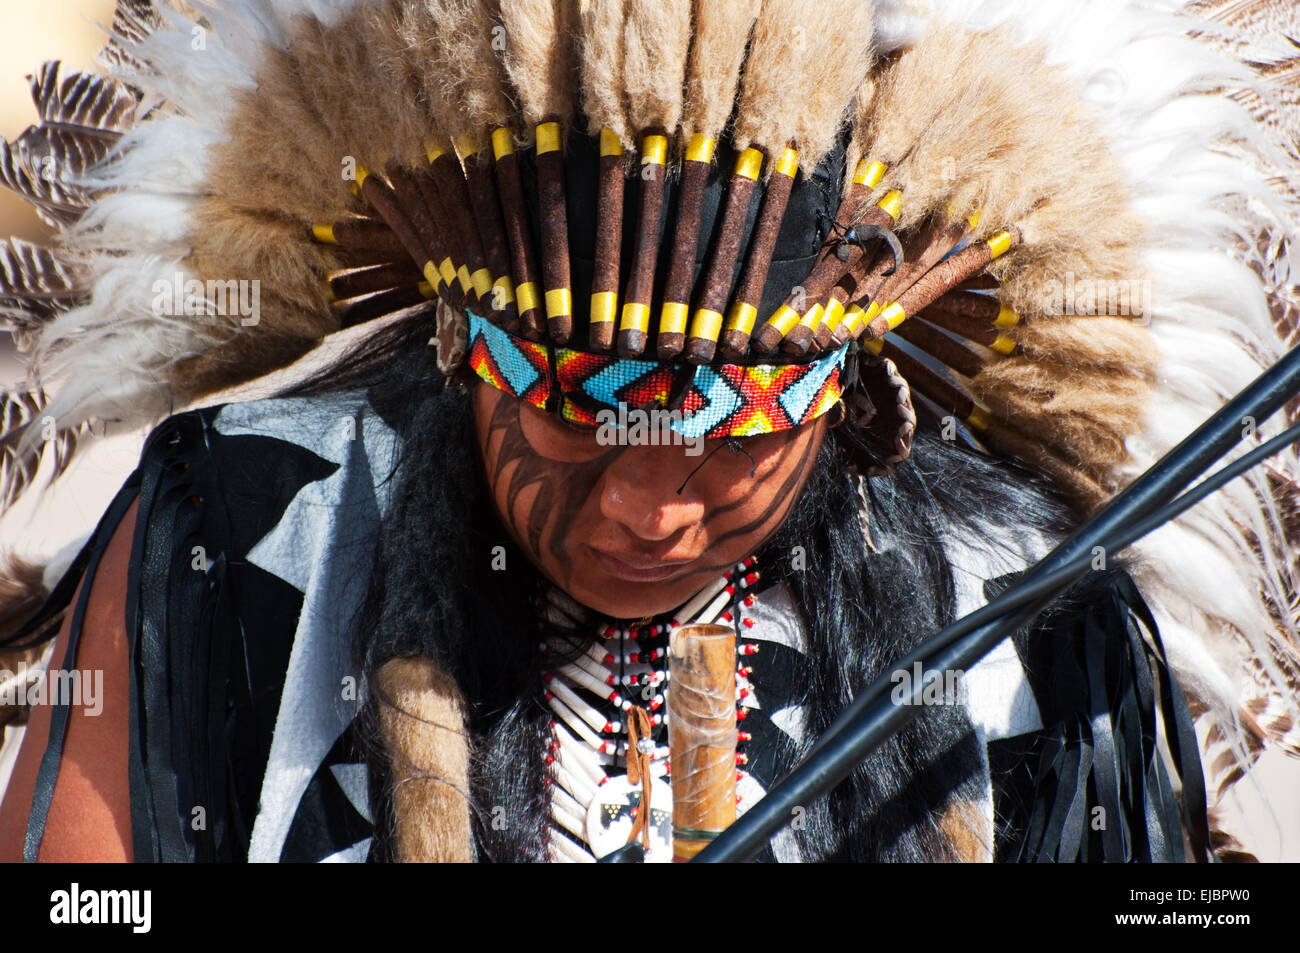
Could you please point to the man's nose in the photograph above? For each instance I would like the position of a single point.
(639, 491)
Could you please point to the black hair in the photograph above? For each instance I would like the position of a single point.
(867, 596)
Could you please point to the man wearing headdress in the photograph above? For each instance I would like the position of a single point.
(665, 314)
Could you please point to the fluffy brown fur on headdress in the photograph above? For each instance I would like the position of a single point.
(539, 56)
(602, 69)
(721, 34)
(805, 64)
(982, 142)
(657, 37)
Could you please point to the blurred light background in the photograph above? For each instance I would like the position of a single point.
(35, 31)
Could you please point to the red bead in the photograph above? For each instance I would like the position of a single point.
(749, 623)
(742, 759)
(727, 615)
(741, 714)
(744, 736)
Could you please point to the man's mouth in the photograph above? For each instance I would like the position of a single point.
(635, 567)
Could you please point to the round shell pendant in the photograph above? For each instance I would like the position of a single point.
(610, 818)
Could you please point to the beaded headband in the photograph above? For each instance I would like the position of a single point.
(721, 400)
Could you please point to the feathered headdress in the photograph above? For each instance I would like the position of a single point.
(1066, 226)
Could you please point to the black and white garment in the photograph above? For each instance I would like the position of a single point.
(256, 534)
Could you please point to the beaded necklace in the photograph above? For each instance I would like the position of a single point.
(593, 688)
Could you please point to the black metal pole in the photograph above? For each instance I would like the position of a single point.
(873, 716)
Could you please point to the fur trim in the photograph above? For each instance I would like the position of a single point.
(602, 69)
(539, 58)
(799, 79)
(423, 722)
(657, 36)
(722, 32)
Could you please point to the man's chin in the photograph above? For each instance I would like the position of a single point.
(623, 600)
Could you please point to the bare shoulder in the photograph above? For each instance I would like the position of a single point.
(89, 816)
